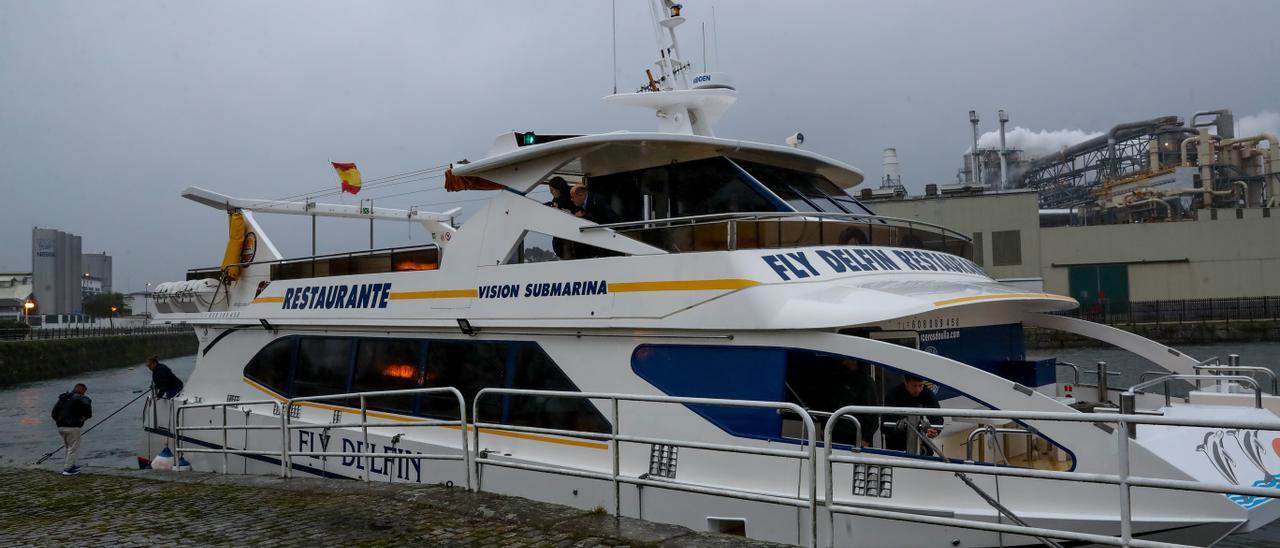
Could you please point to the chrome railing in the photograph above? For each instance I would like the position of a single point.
(1266, 372)
(364, 425)
(1168, 398)
(806, 497)
(1122, 478)
(226, 450)
(286, 407)
(615, 438)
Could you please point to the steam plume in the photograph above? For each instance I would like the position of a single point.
(1036, 143)
(1253, 124)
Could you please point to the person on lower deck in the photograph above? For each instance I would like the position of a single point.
(69, 414)
(853, 386)
(911, 393)
(165, 383)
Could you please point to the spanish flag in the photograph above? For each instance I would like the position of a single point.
(350, 177)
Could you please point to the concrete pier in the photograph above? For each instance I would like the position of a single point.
(111, 507)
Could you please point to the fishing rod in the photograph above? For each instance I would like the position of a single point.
(95, 425)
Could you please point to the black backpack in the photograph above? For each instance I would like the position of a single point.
(62, 408)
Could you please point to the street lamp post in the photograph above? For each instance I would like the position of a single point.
(111, 320)
(146, 303)
(26, 313)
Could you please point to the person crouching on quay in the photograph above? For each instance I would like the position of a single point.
(69, 414)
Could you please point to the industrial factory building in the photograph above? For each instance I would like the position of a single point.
(1149, 211)
(62, 276)
(15, 295)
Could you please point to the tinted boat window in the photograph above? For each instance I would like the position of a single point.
(800, 187)
(468, 366)
(536, 371)
(323, 366)
(270, 368)
(824, 382)
(698, 187)
(388, 364)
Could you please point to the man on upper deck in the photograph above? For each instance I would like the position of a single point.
(591, 210)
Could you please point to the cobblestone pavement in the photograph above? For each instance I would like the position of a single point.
(109, 507)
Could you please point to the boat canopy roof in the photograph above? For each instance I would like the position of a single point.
(521, 168)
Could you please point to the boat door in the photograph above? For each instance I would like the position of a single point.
(887, 378)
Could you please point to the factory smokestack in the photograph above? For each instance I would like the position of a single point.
(892, 177)
(975, 173)
(1004, 164)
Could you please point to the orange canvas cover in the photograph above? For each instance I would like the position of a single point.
(455, 183)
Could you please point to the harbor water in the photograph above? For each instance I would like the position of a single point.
(27, 432)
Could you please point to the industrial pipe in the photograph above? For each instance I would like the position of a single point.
(1222, 119)
(975, 175)
(1244, 192)
(1271, 161)
(1112, 135)
(1184, 148)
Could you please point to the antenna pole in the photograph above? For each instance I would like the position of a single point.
(704, 46)
(715, 36)
(613, 14)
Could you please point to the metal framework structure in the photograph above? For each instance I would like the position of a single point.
(1069, 178)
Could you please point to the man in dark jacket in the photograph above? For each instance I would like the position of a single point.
(911, 393)
(72, 409)
(166, 384)
(852, 385)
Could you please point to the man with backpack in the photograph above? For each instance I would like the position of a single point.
(72, 409)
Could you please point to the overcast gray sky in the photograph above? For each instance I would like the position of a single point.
(109, 109)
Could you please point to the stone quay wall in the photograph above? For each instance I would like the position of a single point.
(34, 360)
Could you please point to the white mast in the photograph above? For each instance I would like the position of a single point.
(679, 107)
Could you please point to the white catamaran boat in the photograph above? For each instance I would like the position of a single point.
(682, 350)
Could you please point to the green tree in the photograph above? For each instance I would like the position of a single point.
(100, 305)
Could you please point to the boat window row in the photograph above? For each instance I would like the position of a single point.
(297, 366)
(368, 262)
(378, 261)
(821, 383)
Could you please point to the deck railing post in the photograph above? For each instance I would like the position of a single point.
(173, 424)
(1122, 458)
(614, 449)
(1128, 406)
(224, 440)
(364, 434)
(174, 416)
(813, 473)
(1102, 381)
(462, 425)
(284, 439)
(475, 435)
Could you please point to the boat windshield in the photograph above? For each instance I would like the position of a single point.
(804, 191)
(719, 203)
(717, 185)
(699, 187)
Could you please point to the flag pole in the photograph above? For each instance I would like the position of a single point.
(371, 224)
